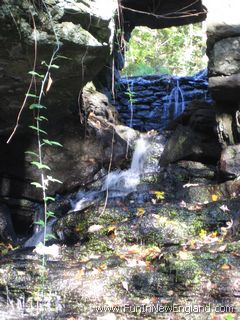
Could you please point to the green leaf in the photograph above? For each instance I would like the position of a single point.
(50, 178)
(36, 106)
(31, 95)
(52, 143)
(40, 165)
(62, 57)
(37, 129)
(46, 199)
(40, 222)
(49, 236)
(41, 118)
(36, 184)
(50, 214)
(34, 73)
(32, 153)
(54, 66)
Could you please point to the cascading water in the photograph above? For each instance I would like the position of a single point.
(124, 182)
(174, 96)
(39, 236)
(117, 183)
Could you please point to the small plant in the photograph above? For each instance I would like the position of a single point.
(41, 82)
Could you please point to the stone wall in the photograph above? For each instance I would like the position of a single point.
(151, 102)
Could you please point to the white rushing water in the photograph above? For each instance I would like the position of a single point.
(117, 183)
(127, 181)
(39, 236)
(176, 96)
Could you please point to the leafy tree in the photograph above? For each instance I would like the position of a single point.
(175, 50)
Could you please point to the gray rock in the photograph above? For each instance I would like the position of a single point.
(225, 88)
(7, 233)
(186, 144)
(230, 160)
(224, 59)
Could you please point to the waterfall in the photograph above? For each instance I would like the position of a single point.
(175, 94)
(126, 181)
(130, 98)
(38, 237)
(117, 183)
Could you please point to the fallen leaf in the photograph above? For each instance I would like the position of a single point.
(102, 267)
(140, 212)
(214, 197)
(226, 266)
(125, 285)
(235, 254)
(160, 195)
(213, 234)
(111, 229)
(222, 248)
(202, 233)
(94, 228)
(50, 81)
(224, 208)
(79, 274)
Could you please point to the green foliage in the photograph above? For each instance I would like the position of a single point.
(176, 50)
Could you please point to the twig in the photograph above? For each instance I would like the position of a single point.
(109, 169)
(167, 15)
(30, 85)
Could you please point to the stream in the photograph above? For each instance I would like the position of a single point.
(116, 184)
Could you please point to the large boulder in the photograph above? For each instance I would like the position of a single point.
(223, 49)
(187, 144)
(229, 161)
(83, 32)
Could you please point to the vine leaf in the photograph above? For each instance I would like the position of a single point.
(55, 66)
(50, 214)
(50, 178)
(41, 118)
(34, 73)
(37, 129)
(62, 57)
(52, 143)
(36, 184)
(49, 236)
(40, 165)
(46, 199)
(40, 222)
(36, 106)
(32, 95)
(32, 153)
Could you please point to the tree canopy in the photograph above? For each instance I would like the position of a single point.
(175, 50)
